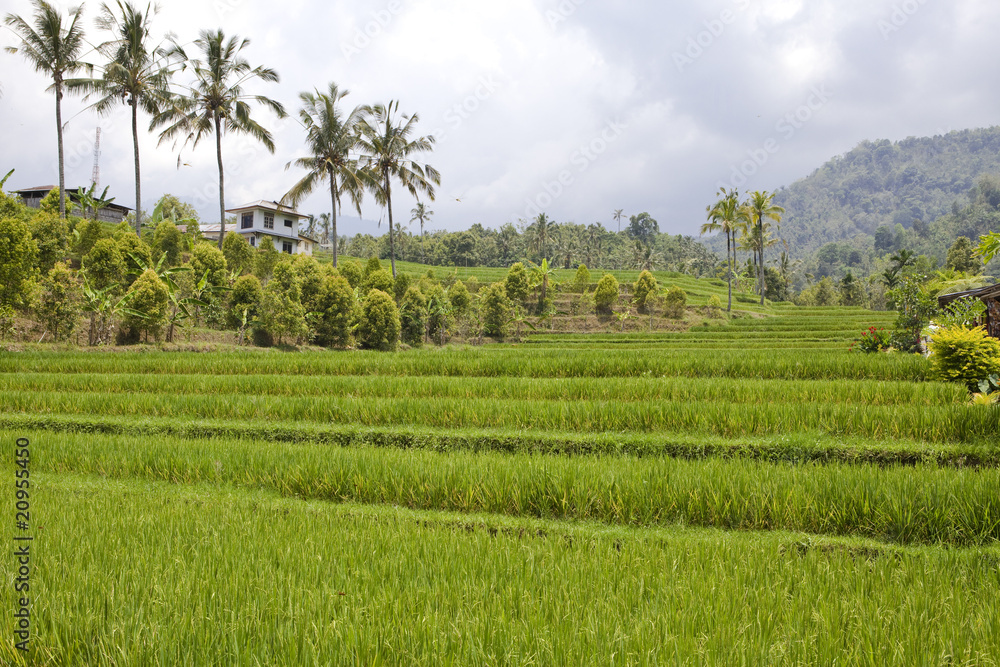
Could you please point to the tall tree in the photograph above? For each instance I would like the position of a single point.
(331, 137)
(217, 102)
(386, 155)
(541, 230)
(137, 74)
(729, 216)
(762, 209)
(52, 50)
(421, 213)
(619, 213)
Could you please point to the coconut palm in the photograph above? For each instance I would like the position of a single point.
(619, 214)
(331, 137)
(386, 150)
(421, 213)
(52, 50)
(217, 101)
(137, 74)
(729, 217)
(762, 208)
(541, 230)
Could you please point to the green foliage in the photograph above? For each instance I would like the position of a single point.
(852, 293)
(582, 279)
(105, 265)
(380, 280)
(168, 240)
(961, 257)
(495, 308)
(208, 258)
(59, 304)
(265, 259)
(238, 253)
(337, 312)
(439, 310)
(400, 286)
(379, 325)
(89, 232)
(411, 317)
(282, 314)
(459, 296)
(675, 302)
(352, 271)
(310, 278)
(148, 305)
(18, 263)
(874, 339)
(964, 355)
(51, 234)
(916, 309)
(245, 297)
(372, 266)
(50, 202)
(967, 312)
(714, 306)
(644, 291)
(136, 254)
(989, 247)
(516, 284)
(606, 296)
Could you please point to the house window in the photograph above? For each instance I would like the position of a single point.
(286, 247)
(247, 221)
(253, 241)
(268, 221)
(288, 223)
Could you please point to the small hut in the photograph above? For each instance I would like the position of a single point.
(989, 296)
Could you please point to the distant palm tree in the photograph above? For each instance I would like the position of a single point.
(729, 217)
(55, 52)
(217, 101)
(136, 75)
(386, 150)
(422, 214)
(332, 138)
(541, 230)
(619, 214)
(761, 208)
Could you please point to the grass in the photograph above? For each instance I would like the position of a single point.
(356, 585)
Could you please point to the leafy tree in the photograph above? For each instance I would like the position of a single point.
(208, 259)
(582, 279)
(496, 308)
(238, 253)
(421, 214)
(59, 304)
(619, 214)
(606, 295)
(372, 266)
(104, 265)
(761, 209)
(400, 286)
(411, 317)
(54, 51)
(18, 264)
(87, 233)
(148, 305)
(675, 302)
(265, 259)
(338, 311)
(961, 256)
(51, 235)
(644, 291)
(244, 299)
(281, 312)
(643, 228)
(217, 101)
(379, 324)
(438, 311)
(825, 293)
(387, 150)
(715, 306)
(916, 309)
(332, 137)
(989, 247)
(851, 292)
(458, 294)
(136, 254)
(516, 283)
(353, 272)
(167, 240)
(310, 277)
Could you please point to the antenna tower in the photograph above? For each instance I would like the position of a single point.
(96, 176)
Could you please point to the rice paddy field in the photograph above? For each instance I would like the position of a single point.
(743, 493)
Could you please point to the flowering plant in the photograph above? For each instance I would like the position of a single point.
(872, 340)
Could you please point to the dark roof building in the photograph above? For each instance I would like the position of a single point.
(989, 296)
(112, 213)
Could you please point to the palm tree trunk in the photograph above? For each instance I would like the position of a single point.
(760, 267)
(729, 261)
(222, 182)
(423, 256)
(333, 219)
(138, 188)
(59, 138)
(392, 246)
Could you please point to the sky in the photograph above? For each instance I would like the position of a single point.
(574, 108)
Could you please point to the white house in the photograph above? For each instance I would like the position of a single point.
(268, 222)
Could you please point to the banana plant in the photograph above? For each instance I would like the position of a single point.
(104, 307)
(90, 200)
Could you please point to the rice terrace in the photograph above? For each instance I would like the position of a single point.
(765, 431)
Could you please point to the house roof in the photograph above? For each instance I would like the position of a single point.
(303, 237)
(72, 192)
(981, 293)
(269, 206)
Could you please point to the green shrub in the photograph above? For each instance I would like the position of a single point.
(459, 297)
(208, 258)
(264, 259)
(380, 280)
(675, 302)
(352, 271)
(517, 284)
(373, 266)
(400, 286)
(168, 240)
(411, 317)
(338, 312)
(238, 253)
(18, 258)
(105, 265)
(379, 326)
(714, 306)
(149, 302)
(644, 291)
(245, 296)
(582, 279)
(51, 234)
(964, 355)
(60, 302)
(496, 307)
(606, 295)
(281, 311)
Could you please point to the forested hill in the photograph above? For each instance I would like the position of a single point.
(884, 183)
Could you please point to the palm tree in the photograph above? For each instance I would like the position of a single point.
(727, 216)
(136, 75)
(422, 214)
(386, 150)
(619, 213)
(217, 101)
(53, 50)
(761, 208)
(542, 230)
(331, 138)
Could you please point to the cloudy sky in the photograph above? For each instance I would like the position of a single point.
(571, 107)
